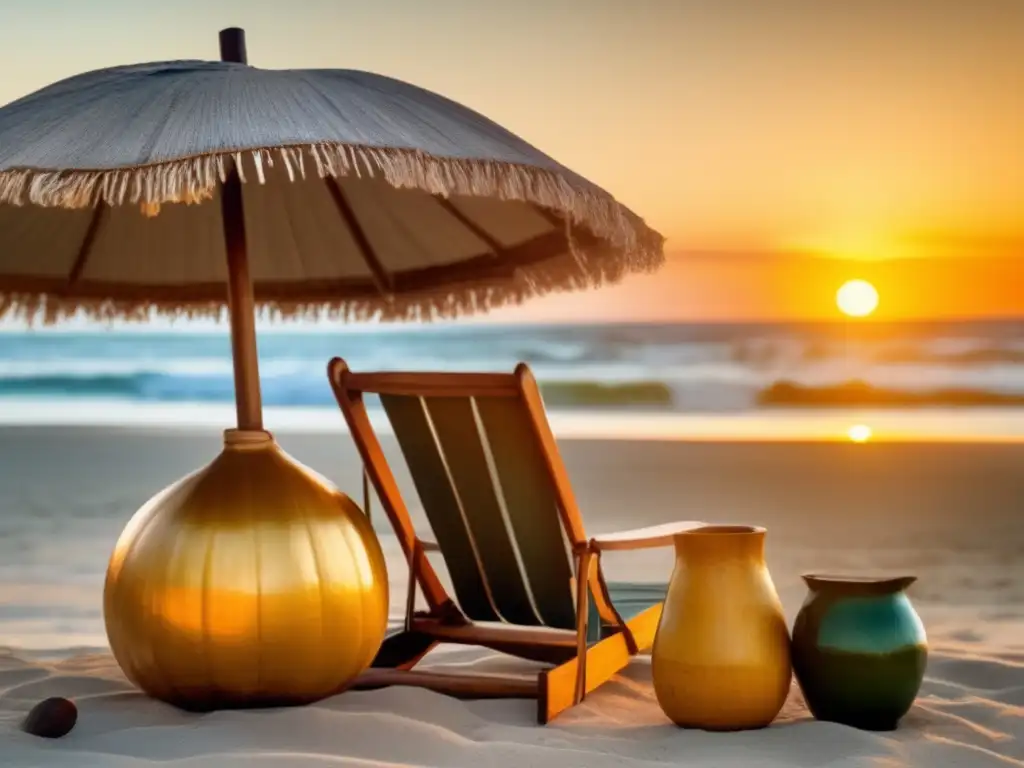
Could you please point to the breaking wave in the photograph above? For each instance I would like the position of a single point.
(707, 368)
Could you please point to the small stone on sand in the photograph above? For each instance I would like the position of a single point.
(51, 718)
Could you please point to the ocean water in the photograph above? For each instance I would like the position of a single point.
(654, 376)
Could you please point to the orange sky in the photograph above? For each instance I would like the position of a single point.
(756, 131)
(737, 287)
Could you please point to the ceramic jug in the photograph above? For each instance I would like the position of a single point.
(721, 658)
(859, 650)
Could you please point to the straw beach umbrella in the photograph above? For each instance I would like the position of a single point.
(188, 187)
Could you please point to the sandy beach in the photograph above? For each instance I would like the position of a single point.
(949, 513)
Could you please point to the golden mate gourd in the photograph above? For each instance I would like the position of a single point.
(250, 582)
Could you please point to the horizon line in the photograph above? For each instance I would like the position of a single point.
(481, 324)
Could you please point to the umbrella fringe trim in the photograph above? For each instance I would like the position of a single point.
(570, 272)
(630, 245)
(194, 180)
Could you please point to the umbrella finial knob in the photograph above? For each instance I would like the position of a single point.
(232, 45)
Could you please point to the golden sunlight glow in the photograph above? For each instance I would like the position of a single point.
(857, 298)
(859, 433)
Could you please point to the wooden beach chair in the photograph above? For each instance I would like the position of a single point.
(527, 579)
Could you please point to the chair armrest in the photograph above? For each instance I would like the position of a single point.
(643, 538)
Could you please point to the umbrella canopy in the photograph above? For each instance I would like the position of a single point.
(361, 194)
(182, 187)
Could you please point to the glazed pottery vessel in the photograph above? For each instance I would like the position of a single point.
(721, 654)
(859, 650)
(251, 582)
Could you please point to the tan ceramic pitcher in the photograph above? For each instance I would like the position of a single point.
(721, 655)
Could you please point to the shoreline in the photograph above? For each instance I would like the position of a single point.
(771, 425)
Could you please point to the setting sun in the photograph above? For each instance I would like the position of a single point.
(857, 298)
(859, 433)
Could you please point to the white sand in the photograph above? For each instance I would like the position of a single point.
(951, 514)
(970, 713)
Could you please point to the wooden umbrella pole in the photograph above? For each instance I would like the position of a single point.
(241, 302)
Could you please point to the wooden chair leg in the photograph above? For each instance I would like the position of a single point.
(582, 622)
(410, 593)
(459, 686)
(366, 495)
(586, 560)
(599, 663)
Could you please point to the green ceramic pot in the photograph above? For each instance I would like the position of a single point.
(859, 650)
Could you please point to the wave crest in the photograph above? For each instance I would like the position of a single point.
(860, 394)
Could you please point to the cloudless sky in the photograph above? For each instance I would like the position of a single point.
(752, 133)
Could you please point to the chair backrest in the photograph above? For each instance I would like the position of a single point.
(487, 471)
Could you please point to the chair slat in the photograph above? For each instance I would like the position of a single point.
(430, 476)
(531, 506)
(446, 384)
(455, 424)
